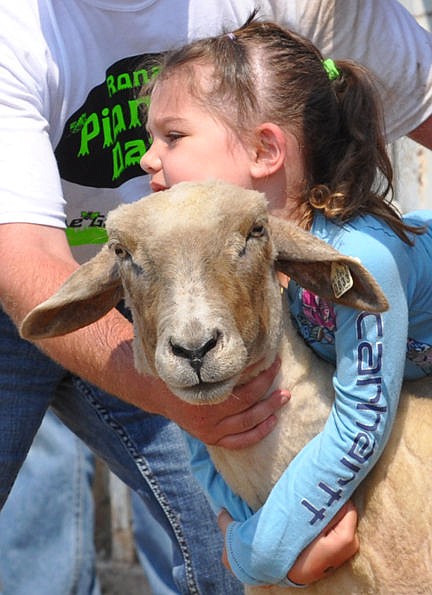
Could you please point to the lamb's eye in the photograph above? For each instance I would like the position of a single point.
(257, 231)
(119, 250)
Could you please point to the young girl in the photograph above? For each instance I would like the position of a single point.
(261, 108)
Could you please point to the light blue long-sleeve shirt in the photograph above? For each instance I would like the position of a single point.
(372, 354)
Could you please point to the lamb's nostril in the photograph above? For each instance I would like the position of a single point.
(195, 355)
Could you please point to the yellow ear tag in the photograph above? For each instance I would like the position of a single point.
(341, 279)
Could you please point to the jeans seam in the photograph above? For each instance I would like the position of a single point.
(79, 495)
(146, 472)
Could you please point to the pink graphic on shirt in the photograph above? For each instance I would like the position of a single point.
(420, 354)
(317, 311)
(319, 316)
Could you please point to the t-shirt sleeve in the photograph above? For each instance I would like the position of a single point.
(387, 39)
(30, 187)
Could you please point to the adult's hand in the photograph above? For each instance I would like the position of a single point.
(36, 260)
(240, 421)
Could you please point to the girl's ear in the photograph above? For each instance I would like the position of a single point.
(269, 150)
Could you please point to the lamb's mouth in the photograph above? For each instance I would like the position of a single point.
(205, 393)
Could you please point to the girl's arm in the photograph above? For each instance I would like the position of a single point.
(337, 543)
(321, 479)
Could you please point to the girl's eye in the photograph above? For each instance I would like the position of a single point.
(174, 136)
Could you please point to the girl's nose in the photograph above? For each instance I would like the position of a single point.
(150, 162)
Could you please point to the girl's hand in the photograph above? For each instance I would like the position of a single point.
(334, 546)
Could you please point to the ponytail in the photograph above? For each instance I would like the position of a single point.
(351, 172)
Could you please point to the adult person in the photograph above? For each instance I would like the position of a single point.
(70, 150)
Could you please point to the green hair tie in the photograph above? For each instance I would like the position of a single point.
(331, 69)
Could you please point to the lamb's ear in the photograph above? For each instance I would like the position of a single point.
(89, 293)
(317, 266)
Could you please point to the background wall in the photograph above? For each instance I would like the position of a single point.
(413, 164)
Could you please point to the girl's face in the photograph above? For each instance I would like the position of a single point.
(189, 144)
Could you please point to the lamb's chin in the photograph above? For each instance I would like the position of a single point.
(205, 393)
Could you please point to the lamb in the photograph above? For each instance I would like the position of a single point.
(197, 265)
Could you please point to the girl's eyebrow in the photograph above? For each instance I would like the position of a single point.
(166, 121)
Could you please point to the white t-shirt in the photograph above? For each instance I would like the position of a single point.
(71, 138)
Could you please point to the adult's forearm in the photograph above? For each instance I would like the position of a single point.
(101, 353)
(423, 133)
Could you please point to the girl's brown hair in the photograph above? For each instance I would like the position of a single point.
(261, 73)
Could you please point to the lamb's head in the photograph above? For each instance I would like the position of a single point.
(189, 253)
(197, 265)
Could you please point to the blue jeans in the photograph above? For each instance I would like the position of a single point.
(46, 526)
(146, 451)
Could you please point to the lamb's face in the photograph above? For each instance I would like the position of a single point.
(202, 289)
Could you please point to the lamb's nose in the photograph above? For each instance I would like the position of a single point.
(195, 355)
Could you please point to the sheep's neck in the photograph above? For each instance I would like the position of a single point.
(307, 378)
(298, 360)
(296, 357)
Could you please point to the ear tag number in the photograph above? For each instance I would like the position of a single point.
(341, 279)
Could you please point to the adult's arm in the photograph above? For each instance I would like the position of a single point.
(36, 259)
(423, 133)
